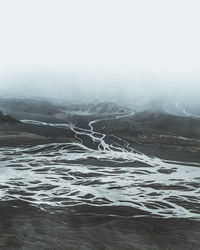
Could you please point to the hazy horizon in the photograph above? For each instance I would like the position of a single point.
(100, 49)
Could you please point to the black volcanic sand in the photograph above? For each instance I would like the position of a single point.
(28, 134)
(149, 122)
(138, 134)
(24, 227)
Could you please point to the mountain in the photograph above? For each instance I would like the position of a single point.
(4, 118)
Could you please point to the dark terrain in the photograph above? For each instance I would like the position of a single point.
(26, 225)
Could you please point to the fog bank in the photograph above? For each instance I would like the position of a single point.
(106, 50)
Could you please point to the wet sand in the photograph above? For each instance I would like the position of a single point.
(24, 227)
(27, 225)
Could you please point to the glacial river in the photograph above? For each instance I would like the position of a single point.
(109, 173)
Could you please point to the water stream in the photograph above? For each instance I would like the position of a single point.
(108, 173)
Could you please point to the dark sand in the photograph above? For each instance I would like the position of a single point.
(24, 227)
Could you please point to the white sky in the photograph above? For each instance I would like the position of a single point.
(113, 37)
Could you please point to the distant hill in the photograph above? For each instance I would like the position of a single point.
(152, 123)
(4, 118)
(29, 106)
(166, 123)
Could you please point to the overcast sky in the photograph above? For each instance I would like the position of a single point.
(99, 42)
